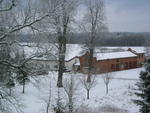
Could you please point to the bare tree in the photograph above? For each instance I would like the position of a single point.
(47, 100)
(9, 103)
(70, 88)
(14, 19)
(11, 4)
(93, 24)
(88, 85)
(63, 21)
(107, 77)
(48, 90)
(60, 106)
(48, 103)
(58, 25)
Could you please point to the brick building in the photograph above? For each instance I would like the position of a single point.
(115, 61)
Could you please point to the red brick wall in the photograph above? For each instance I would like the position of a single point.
(84, 62)
(116, 64)
(140, 59)
(110, 65)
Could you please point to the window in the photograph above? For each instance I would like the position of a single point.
(130, 64)
(134, 64)
(117, 67)
(126, 65)
(112, 66)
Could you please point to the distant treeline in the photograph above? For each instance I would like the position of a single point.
(103, 39)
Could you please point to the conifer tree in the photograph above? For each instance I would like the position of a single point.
(22, 73)
(144, 89)
(22, 78)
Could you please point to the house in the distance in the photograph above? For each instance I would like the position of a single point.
(105, 59)
(112, 61)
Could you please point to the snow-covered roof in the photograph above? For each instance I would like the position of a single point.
(138, 51)
(77, 64)
(114, 55)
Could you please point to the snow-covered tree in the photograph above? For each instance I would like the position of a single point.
(60, 107)
(70, 88)
(144, 89)
(22, 73)
(22, 78)
(107, 77)
(63, 20)
(93, 24)
(88, 85)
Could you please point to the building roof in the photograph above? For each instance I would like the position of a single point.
(77, 64)
(114, 55)
(139, 51)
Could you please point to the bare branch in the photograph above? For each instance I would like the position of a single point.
(20, 27)
(5, 62)
(9, 8)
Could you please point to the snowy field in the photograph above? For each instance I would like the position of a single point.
(118, 99)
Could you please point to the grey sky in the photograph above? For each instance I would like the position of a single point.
(128, 15)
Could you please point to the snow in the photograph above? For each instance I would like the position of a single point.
(121, 87)
(138, 49)
(114, 55)
(74, 50)
(120, 93)
(77, 64)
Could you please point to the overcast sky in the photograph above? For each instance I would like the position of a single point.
(128, 15)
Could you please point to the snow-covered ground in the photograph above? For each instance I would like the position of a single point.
(119, 97)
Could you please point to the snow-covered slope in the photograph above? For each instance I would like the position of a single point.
(120, 93)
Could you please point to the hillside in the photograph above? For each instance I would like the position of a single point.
(103, 39)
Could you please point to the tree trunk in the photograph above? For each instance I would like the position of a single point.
(47, 108)
(89, 78)
(62, 51)
(88, 94)
(60, 73)
(23, 87)
(90, 65)
(9, 91)
(70, 105)
(106, 88)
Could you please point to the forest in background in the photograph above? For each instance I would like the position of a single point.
(103, 39)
